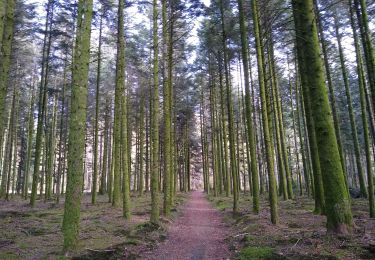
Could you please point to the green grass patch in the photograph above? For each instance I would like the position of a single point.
(252, 252)
(9, 256)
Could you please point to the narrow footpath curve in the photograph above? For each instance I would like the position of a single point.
(198, 233)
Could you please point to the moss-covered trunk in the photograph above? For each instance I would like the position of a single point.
(215, 167)
(77, 125)
(167, 106)
(336, 119)
(272, 98)
(338, 210)
(248, 107)
(351, 112)
(312, 145)
(266, 130)
(141, 144)
(229, 106)
(155, 166)
(362, 94)
(106, 145)
(367, 43)
(96, 124)
(223, 135)
(7, 11)
(30, 133)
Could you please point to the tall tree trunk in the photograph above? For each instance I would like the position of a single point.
(215, 167)
(125, 131)
(111, 164)
(336, 193)
(7, 11)
(15, 136)
(229, 104)
(7, 167)
(155, 123)
(60, 169)
(248, 106)
(332, 98)
(147, 151)
(141, 143)
(106, 152)
(362, 94)
(97, 100)
(266, 130)
(51, 151)
(280, 122)
(42, 100)
(296, 151)
(30, 132)
(283, 189)
(6, 159)
(77, 125)
(351, 113)
(367, 43)
(167, 107)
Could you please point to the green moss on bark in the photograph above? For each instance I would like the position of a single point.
(338, 210)
(77, 126)
(266, 130)
(155, 165)
(248, 107)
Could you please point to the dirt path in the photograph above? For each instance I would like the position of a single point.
(198, 233)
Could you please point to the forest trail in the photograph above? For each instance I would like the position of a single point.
(198, 233)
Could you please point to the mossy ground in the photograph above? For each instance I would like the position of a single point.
(300, 234)
(35, 233)
(252, 252)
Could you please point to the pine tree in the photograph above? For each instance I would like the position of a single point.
(332, 98)
(106, 139)
(367, 43)
(249, 119)
(30, 132)
(350, 110)
(62, 139)
(339, 217)
(155, 166)
(141, 143)
(167, 107)
(7, 10)
(362, 94)
(77, 125)
(119, 92)
(42, 101)
(266, 131)
(229, 105)
(97, 100)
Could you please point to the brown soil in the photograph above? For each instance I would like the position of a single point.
(199, 233)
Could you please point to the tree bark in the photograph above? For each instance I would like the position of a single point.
(77, 126)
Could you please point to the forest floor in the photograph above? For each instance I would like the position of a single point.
(198, 233)
(197, 229)
(35, 233)
(300, 233)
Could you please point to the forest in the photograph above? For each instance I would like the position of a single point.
(187, 129)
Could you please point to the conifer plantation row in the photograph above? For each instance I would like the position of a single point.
(121, 98)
